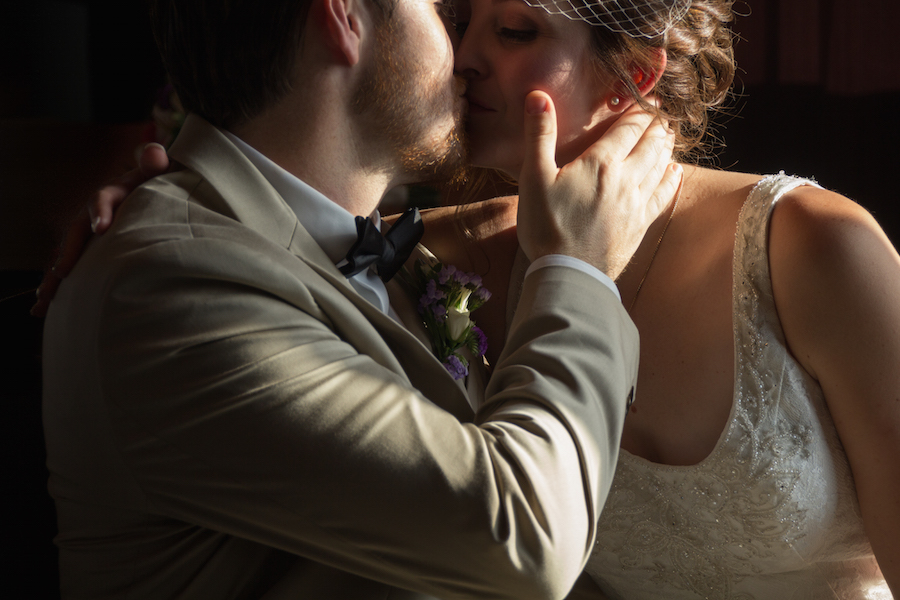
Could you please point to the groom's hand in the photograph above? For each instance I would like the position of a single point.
(598, 207)
(96, 217)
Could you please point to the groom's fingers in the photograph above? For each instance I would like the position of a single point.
(539, 164)
(619, 141)
(539, 226)
(665, 190)
(652, 155)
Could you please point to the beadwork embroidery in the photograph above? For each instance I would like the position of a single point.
(774, 497)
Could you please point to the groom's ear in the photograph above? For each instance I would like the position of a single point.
(342, 24)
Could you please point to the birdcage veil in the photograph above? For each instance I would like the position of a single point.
(636, 18)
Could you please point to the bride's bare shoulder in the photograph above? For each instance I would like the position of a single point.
(715, 184)
(473, 236)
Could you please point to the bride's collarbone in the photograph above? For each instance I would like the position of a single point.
(685, 385)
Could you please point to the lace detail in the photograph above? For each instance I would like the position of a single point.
(772, 511)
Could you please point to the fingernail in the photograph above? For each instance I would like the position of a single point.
(157, 144)
(676, 168)
(95, 222)
(535, 105)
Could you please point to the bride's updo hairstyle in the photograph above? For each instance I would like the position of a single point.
(698, 75)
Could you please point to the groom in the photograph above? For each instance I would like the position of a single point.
(229, 416)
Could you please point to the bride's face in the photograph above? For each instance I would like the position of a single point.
(509, 49)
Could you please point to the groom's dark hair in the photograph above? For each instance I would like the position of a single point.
(231, 59)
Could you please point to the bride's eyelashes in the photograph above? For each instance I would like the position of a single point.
(517, 24)
(517, 35)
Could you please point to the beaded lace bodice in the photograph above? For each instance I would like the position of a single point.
(771, 513)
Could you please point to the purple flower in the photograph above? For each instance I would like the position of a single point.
(463, 278)
(445, 274)
(483, 294)
(456, 367)
(432, 294)
(439, 311)
(480, 341)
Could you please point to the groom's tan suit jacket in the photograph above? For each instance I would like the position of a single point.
(227, 418)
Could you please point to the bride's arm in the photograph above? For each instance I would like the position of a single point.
(96, 217)
(836, 279)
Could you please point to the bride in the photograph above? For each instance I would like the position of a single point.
(761, 458)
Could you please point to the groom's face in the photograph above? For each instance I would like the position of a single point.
(411, 98)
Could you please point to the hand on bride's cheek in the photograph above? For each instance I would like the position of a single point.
(510, 49)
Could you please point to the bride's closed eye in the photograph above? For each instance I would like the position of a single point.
(517, 35)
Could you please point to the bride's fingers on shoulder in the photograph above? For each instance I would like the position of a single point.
(105, 200)
(153, 160)
(72, 245)
(67, 255)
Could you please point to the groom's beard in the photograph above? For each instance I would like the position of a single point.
(419, 116)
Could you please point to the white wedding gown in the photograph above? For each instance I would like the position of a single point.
(772, 513)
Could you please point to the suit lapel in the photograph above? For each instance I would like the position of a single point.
(242, 193)
(405, 352)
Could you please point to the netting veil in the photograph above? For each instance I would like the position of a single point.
(637, 18)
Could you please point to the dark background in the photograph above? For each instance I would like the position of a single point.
(818, 95)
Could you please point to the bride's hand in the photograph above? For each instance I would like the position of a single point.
(96, 217)
(598, 207)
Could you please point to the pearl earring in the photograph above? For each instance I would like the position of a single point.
(615, 101)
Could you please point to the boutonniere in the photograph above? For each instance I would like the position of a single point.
(447, 298)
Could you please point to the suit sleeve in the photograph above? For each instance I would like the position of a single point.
(244, 413)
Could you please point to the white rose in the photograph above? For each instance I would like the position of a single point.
(458, 322)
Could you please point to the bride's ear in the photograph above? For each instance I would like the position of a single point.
(643, 78)
(646, 81)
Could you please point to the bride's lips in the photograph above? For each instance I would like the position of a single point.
(477, 107)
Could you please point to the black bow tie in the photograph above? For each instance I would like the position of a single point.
(387, 252)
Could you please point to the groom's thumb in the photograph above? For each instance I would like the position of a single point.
(540, 139)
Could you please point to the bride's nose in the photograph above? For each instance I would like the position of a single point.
(469, 59)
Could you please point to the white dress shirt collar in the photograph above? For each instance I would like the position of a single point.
(329, 224)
